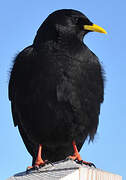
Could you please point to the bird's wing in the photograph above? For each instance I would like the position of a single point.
(19, 79)
(20, 76)
(32, 148)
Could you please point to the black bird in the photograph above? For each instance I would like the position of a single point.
(56, 88)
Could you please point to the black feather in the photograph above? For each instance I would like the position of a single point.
(56, 87)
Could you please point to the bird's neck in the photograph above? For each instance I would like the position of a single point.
(57, 39)
(68, 43)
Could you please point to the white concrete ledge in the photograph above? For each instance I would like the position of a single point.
(66, 170)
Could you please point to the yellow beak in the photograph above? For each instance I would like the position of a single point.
(95, 28)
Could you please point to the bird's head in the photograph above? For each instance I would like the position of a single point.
(66, 22)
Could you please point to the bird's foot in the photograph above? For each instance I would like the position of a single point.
(77, 158)
(39, 161)
(80, 161)
(37, 165)
(85, 162)
(76, 154)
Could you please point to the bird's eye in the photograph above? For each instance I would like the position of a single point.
(76, 20)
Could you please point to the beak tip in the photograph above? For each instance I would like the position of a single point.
(105, 32)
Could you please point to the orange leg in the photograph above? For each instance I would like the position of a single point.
(76, 156)
(39, 160)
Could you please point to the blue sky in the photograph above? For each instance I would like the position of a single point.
(19, 22)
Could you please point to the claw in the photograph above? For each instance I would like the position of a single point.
(84, 162)
(30, 168)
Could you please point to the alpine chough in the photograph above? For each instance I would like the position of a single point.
(56, 88)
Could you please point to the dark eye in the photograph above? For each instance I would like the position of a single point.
(76, 20)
